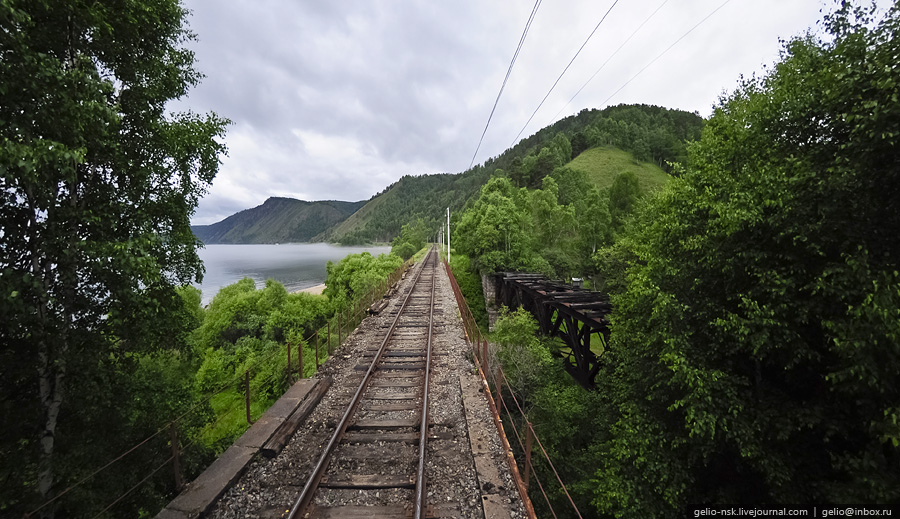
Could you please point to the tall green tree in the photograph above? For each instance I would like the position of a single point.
(756, 347)
(623, 195)
(97, 186)
(497, 230)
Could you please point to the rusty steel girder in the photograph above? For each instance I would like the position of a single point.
(573, 314)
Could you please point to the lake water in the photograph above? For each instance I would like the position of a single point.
(296, 265)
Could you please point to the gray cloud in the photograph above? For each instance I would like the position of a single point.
(336, 100)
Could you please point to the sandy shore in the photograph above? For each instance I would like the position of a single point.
(317, 290)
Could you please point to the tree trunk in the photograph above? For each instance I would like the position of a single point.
(50, 375)
(52, 357)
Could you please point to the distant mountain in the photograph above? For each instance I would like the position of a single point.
(278, 220)
(603, 143)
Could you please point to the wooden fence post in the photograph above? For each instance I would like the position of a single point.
(529, 439)
(317, 350)
(176, 461)
(247, 388)
(300, 356)
(498, 384)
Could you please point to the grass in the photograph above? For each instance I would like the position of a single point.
(603, 164)
(229, 407)
(422, 252)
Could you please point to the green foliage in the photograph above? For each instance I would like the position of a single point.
(469, 282)
(558, 228)
(523, 356)
(663, 133)
(497, 231)
(755, 346)
(623, 195)
(357, 274)
(243, 324)
(650, 133)
(509, 229)
(411, 198)
(603, 164)
(594, 230)
(411, 240)
(568, 420)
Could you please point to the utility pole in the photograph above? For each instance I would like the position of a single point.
(448, 235)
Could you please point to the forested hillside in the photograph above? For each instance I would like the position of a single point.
(620, 139)
(410, 198)
(756, 297)
(556, 202)
(628, 135)
(277, 220)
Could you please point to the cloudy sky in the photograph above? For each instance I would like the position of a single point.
(336, 99)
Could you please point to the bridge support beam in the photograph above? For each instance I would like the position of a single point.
(573, 314)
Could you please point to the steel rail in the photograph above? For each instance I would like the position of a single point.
(306, 496)
(423, 424)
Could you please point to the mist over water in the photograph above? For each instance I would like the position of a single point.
(296, 265)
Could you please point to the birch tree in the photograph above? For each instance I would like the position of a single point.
(97, 185)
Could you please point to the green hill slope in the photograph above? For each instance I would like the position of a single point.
(412, 197)
(278, 220)
(603, 164)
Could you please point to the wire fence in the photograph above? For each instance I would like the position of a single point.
(304, 357)
(498, 392)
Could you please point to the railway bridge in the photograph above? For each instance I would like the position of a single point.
(575, 315)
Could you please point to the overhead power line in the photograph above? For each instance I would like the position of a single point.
(683, 36)
(512, 62)
(564, 71)
(611, 56)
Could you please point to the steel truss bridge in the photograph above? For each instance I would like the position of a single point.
(575, 315)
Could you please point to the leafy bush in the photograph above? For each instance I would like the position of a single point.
(357, 274)
(521, 353)
(470, 285)
(243, 325)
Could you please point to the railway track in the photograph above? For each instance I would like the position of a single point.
(374, 463)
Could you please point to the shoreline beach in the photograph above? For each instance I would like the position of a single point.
(316, 290)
